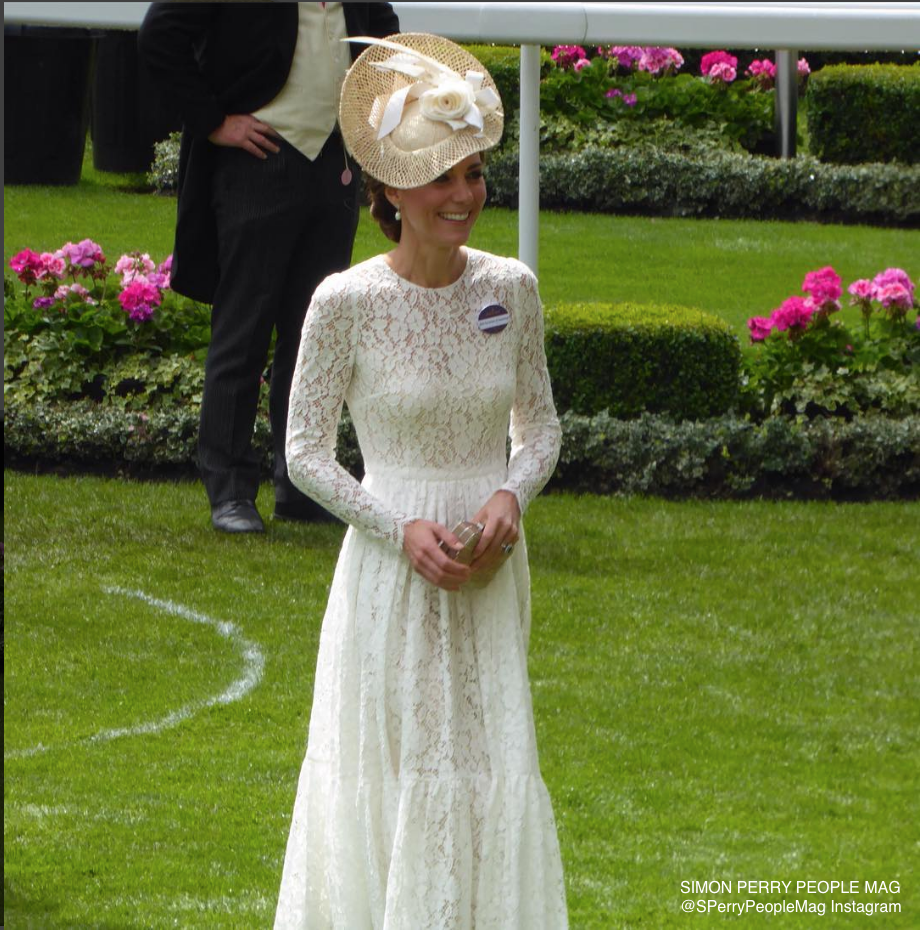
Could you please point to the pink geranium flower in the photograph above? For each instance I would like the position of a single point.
(762, 72)
(159, 279)
(721, 71)
(760, 328)
(139, 300)
(566, 56)
(803, 68)
(793, 313)
(825, 289)
(627, 56)
(84, 254)
(52, 266)
(895, 298)
(722, 63)
(863, 289)
(74, 290)
(581, 64)
(27, 265)
(657, 60)
(894, 276)
(134, 265)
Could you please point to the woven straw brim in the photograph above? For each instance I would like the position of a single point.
(366, 86)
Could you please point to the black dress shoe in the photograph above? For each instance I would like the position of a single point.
(302, 511)
(237, 517)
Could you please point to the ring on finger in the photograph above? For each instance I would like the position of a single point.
(507, 548)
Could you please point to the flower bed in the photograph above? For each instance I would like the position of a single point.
(118, 336)
(810, 363)
(105, 373)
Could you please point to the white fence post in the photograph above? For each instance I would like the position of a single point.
(786, 101)
(529, 173)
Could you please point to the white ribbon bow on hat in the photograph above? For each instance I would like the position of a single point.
(443, 94)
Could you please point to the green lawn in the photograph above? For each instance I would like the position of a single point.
(722, 691)
(733, 268)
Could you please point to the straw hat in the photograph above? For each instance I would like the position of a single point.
(414, 105)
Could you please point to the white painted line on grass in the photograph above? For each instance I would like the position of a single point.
(252, 675)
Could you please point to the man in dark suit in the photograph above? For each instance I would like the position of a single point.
(267, 207)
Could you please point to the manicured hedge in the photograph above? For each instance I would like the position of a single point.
(627, 358)
(869, 458)
(867, 113)
(650, 181)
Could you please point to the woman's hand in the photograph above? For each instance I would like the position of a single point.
(501, 517)
(242, 131)
(421, 543)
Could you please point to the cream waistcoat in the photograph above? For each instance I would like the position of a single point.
(305, 111)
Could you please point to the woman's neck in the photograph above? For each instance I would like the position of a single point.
(428, 267)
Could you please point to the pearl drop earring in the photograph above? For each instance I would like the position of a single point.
(398, 215)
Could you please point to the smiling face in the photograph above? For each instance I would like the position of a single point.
(442, 213)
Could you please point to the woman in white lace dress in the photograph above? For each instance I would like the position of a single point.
(420, 804)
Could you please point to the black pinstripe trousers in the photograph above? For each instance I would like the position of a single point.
(284, 224)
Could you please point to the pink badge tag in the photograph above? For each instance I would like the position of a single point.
(346, 177)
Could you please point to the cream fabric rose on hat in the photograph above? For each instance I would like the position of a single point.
(450, 101)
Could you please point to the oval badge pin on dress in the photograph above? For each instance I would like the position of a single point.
(493, 319)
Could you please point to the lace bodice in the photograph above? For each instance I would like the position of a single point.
(429, 390)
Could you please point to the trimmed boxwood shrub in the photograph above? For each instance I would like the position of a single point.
(865, 113)
(868, 458)
(649, 181)
(629, 358)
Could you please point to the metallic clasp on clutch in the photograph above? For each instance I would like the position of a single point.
(469, 535)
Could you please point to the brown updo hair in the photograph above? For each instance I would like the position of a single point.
(381, 209)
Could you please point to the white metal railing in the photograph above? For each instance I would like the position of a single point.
(782, 26)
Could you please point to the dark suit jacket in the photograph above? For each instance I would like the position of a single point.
(211, 60)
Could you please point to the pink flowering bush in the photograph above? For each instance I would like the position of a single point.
(143, 282)
(75, 327)
(810, 362)
(627, 95)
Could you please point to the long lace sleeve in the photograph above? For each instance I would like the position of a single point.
(536, 436)
(324, 370)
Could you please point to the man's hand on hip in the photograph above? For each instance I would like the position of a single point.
(243, 131)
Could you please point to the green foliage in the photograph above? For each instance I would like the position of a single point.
(738, 112)
(630, 358)
(724, 184)
(868, 113)
(832, 369)
(868, 458)
(164, 172)
(561, 134)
